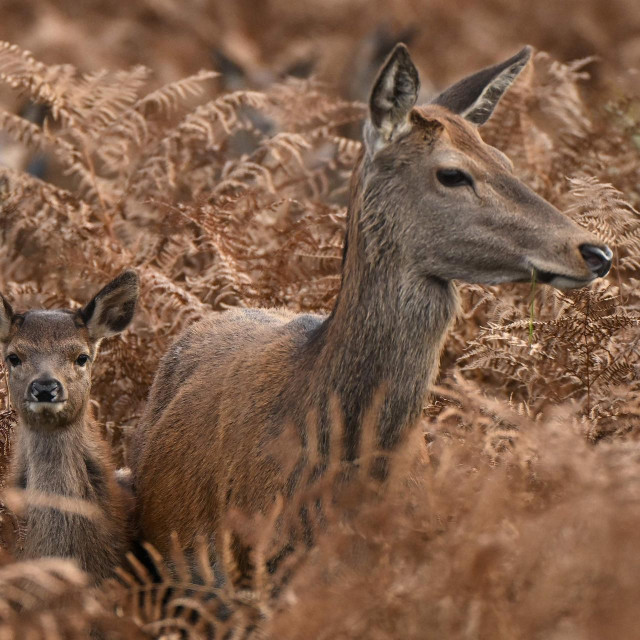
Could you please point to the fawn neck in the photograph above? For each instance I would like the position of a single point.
(59, 461)
(385, 333)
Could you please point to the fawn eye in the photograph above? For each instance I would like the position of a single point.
(454, 178)
(82, 359)
(13, 360)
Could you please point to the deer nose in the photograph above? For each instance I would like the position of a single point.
(598, 259)
(45, 390)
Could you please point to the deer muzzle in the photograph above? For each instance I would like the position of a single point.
(45, 392)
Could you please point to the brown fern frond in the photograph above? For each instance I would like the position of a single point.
(43, 84)
(48, 598)
(180, 599)
(166, 99)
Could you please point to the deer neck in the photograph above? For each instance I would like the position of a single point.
(385, 335)
(56, 461)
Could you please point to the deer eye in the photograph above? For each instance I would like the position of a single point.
(13, 360)
(454, 178)
(82, 359)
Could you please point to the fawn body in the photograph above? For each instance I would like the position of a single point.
(74, 506)
(430, 202)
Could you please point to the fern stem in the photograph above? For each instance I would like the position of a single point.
(532, 305)
(588, 354)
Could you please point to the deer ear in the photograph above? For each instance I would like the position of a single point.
(6, 318)
(476, 96)
(112, 308)
(394, 94)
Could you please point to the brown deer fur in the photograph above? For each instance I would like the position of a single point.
(231, 382)
(74, 506)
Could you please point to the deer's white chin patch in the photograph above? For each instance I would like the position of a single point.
(46, 407)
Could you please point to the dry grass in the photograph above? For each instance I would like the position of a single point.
(229, 188)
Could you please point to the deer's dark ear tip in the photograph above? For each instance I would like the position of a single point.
(401, 59)
(129, 278)
(130, 275)
(401, 53)
(7, 319)
(525, 53)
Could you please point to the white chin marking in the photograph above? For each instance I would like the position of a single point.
(42, 407)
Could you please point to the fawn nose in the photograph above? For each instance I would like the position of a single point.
(45, 390)
(598, 259)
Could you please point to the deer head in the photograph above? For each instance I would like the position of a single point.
(447, 205)
(49, 354)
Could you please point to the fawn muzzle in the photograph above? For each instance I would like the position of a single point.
(45, 390)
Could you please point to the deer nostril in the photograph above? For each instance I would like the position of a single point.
(45, 390)
(598, 259)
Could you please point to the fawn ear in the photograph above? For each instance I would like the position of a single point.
(394, 94)
(112, 308)
(6, 318)
(476, 96)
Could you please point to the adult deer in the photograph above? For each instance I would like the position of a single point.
(75, 508)
(430, 203)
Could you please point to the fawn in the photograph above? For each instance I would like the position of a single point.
(60, 459)
(430, 203)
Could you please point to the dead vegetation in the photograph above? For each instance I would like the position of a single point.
(228, 187)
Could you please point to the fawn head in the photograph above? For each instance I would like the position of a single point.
(49, 354)
(448, 204)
